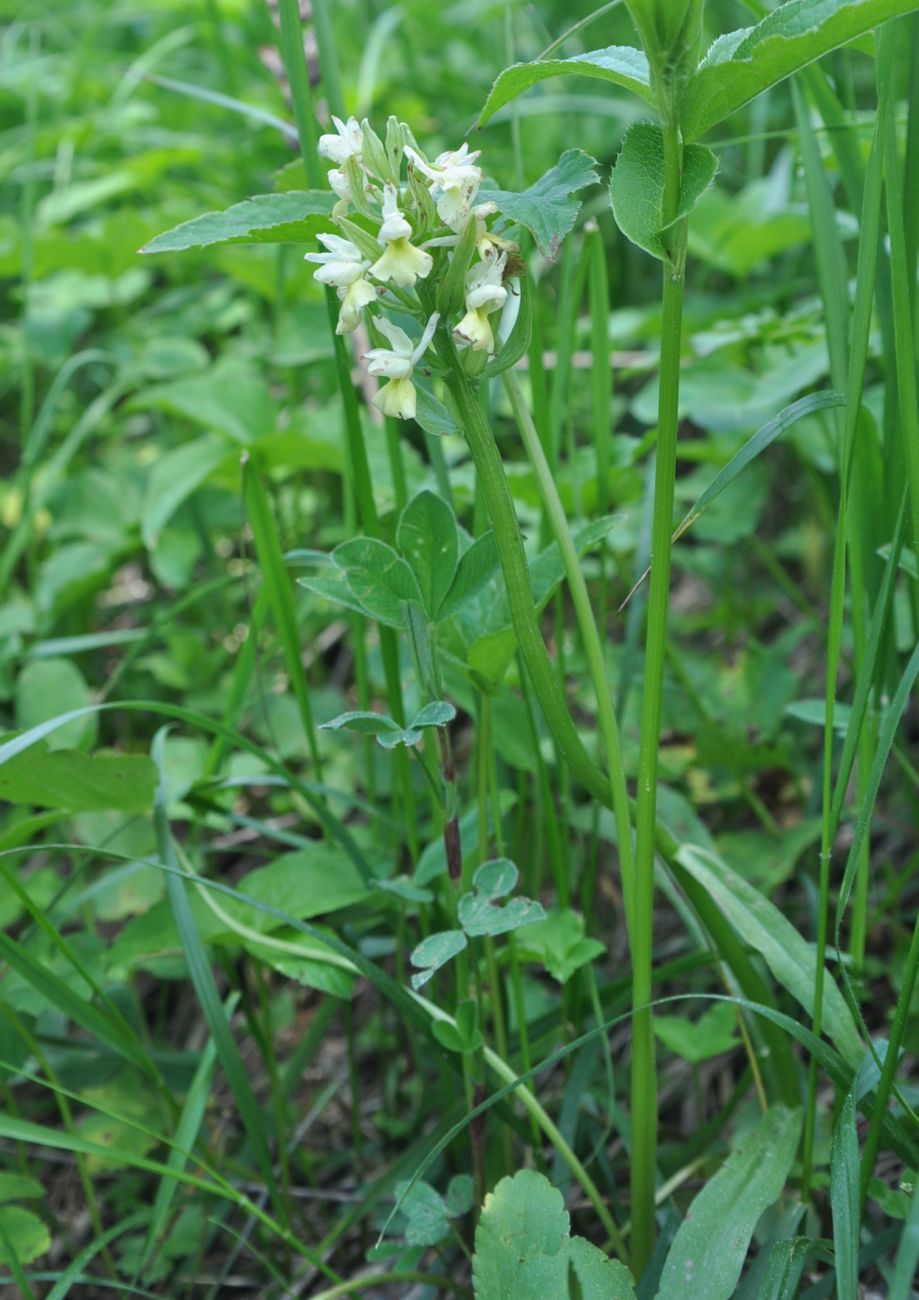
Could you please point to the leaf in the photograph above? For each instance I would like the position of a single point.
(173, 478)
(907, 1254)
(813, 712)
(435, 951)
(460, 1194)
(523, 1248)
(293, 217)
(432, 415)
(17, 1187)
(425, 1211)
(464, 1034)
(477, 913)
(742, 64)
(378, 577)
(786, 1264)
(711, 1243)
(26, 1232)
(78, 782)
(637, 185)
(436, 714)
(475, 569)
(844, 1199)
(547, 207)
(699, 1040)
(428, 540)
(46, 688)
(518, 341)
(622, 65)
(558, 941)
(787, 954)
(363, 723)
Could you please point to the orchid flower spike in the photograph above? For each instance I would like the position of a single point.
(347, 142)
(485, 293)
(401, 262)
(345, 268)
(396, 363)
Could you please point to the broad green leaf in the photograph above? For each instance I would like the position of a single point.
(621, 64)
(231, 397)
(711, 1244)
(787, 954)
(755, 1285)
(524, 1248)
(476, 567)
(78, 782)
(844, 1201)
(378, 577)
(671, 33)
(596, 1277)
(174, 477)
(27, 1233)
(637, 185)
(559, 942)
(428, 540)
(46, 688)
(742, 64)
(289, 218)
(303, 883)
(332, 584)
(548, 208)
(17, 1187)
(477, 912)
(813, 712)
(522, 1241)
(435, 951)
(699, 1040)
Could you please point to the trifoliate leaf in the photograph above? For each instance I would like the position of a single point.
(477, 912)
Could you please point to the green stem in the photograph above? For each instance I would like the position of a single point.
(587, 626)
(644, 1081)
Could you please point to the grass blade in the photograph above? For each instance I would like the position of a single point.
(844, 1180)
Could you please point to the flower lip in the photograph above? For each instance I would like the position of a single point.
(394, 224)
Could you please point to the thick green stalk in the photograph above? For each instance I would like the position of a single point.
(644, 1082)
(587, 626)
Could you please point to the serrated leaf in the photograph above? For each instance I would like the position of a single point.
(78, 782)
(711, 1244)
(293, 217)
(637, 185)
(622, 65)
(428, 540)
(597, 1277)
(435, 951)
(742, 64)
(787, 954)
(548, 208)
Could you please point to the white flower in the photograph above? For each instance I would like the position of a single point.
(454, 182)
(401, 261)
(396, 363)
(344, 267)
(485, 293)
(341, 265)
(348, 142)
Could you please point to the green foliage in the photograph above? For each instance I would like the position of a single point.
(637, 186)
(67, 778)
(712, 1241)
(548, 208)
(524, 1247)
(620, 64)
(289, 218)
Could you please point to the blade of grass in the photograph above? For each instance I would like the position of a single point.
(844, 1183)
